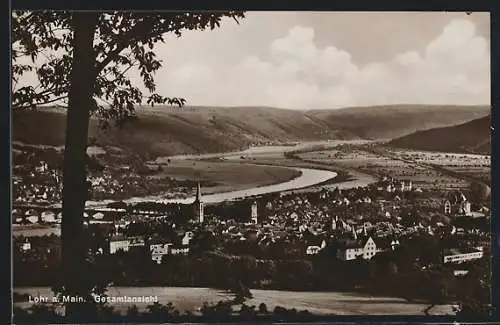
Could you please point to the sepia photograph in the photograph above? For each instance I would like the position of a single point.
(250, 165)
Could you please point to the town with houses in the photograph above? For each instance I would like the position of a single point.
(304, 172)
(349, 224)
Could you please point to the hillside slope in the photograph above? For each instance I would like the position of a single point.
(166, 130)
(389, 122)
(470, 137)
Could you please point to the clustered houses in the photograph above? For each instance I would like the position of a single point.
(36, 179)
(105, 183)
(37, 248)
(391, 186)
(37, 183)
(347, 224)
(360, 223)
(23, 245)
(160, 247)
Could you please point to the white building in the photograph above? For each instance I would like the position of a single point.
(160, 247)
(461, 256)
(122, 243)
(118, 243)
(313, 250)
(460, 272)
(48, 216)
(358, 248)
(26, 246)
(158, 251)
(180, 250)
(187, 238)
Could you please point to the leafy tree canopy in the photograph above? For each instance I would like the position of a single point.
(42, 43)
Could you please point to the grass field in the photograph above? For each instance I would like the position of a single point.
(35, 230)
(320, 303)
(228, 176)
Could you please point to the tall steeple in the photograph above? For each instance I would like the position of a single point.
(254, 212)
(198, 205)
(198, 193)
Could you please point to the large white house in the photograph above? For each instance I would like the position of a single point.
(158, 251)
(160, 247)
(122, 243)
(118, 243)
(358, 248)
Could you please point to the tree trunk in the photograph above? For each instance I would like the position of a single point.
(73, 241)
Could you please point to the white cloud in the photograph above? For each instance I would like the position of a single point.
(451, 69)
(408, 58)
(193, 73)
(298, 73)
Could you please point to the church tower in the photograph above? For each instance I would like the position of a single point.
(198, 205)
(254, 213)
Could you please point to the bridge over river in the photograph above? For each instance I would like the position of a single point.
(22, 213)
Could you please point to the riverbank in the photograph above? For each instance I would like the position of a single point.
(307, 178)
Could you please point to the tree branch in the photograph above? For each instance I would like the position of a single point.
(124, 41)
(45, 102)
(125, 71)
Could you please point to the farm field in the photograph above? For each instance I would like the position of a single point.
(383, 165)
(474, 165)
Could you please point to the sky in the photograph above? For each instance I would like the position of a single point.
(325, 60)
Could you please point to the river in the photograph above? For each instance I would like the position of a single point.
(308, 177)
(319, 303)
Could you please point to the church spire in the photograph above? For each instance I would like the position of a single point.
(198, 205)
(198, 193)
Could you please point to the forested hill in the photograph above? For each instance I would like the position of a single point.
(168, 130)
